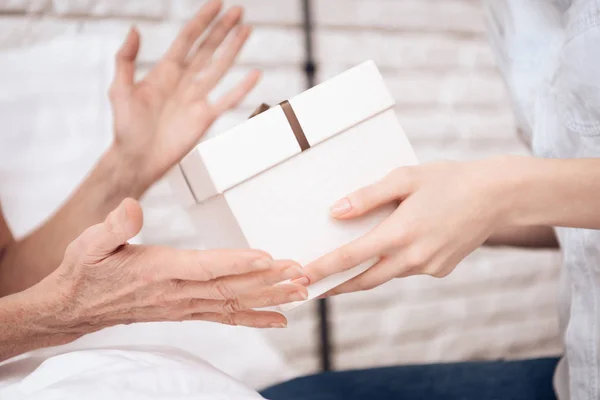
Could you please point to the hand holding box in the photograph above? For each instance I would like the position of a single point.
(269, 182)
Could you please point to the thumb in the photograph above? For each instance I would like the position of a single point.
(98, 241)
(395, 186)
(122, 224)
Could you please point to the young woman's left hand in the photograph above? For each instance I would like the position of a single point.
(446, 211)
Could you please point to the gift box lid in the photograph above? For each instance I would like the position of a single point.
(269, 138)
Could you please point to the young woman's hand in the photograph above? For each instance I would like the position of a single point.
(160, 118)
(446, 210)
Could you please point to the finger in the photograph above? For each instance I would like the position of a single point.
(184, 42)
(273, 296)
(280, 272)
(346, 257)
(223, 62)
(380, 273)
(216, 36)
(229, 287)
(268, 297)
(207, 265)
(259, 319)
(102, 239)
(394, 186)
(125, 62)
(252, 319)
(234, 97)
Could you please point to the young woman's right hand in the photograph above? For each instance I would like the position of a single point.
(104, 281)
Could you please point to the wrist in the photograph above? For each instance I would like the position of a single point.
(522, 182)
(31, 320)
(126, 174)
(504, 181)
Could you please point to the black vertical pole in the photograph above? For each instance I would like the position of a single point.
(309, 58)
(310, 71)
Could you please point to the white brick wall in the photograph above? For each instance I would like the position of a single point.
(436, 61)
(453, 16)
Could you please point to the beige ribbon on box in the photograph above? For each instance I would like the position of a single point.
(292, 120)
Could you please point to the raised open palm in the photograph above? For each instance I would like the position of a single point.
(160, 118)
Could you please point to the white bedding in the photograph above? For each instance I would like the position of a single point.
(134, 373)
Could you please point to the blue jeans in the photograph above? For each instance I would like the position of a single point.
(493, 380)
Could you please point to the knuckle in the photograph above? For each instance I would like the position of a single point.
(267, 278)
(195, 304)
(203, 271)
(236, 266)
(170, 292)
(162, 298)
(223, 290)
(186, 305)
(231, 306)
(177, 285)
(74, 250)
(416, 257)
(272, 300)
(228, 319)
(405, 235)
(400, 239)
(345, 258)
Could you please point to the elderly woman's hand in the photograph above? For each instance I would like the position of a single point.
(104, 281)
(161, 117)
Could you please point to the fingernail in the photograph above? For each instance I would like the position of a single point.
(298, 296)
(302, 281)
(277, 325)
(341, 207)
(263, 263)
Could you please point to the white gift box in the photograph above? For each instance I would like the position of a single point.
(269, 182)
